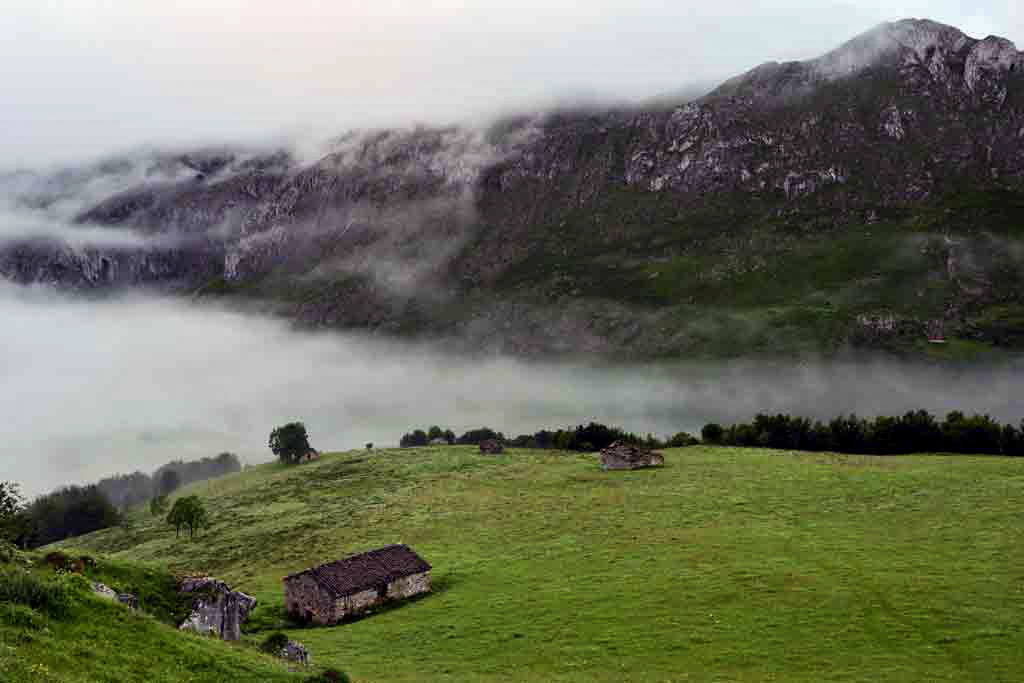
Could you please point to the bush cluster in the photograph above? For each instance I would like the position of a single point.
(52, 595)
(420, 437)
(915, 432)
(125, 490)
(274, 643)
(68, 511)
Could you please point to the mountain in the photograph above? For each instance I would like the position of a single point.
(869, 198)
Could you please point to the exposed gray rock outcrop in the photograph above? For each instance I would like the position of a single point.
(128, 600)
(104, 591)
(217, 609)
(296, 652)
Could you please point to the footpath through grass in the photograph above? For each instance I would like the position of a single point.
(726, 565)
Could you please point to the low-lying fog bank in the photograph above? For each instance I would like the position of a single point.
(96, 387)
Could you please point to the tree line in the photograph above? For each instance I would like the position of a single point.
(585, 438)
(80, 509)
(127, 490)
(914, 432)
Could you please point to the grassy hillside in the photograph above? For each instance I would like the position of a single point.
(69, 635)
(726, 565)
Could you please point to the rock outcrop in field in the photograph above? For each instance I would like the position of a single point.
(217, 610)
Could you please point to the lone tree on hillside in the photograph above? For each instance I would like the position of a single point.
(290, 442)
(188, 512)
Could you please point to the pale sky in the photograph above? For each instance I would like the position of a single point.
(85, 77)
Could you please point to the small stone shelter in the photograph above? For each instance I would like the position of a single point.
(626, 456)
(491, 447)
(337, 590)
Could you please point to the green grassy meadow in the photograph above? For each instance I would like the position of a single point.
(726, 565)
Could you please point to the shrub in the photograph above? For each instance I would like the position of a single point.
(681, 440)
(9, 554)
(158, 506)
(475, 437)
(70, 511)
(54, 595)
(289, 442)
(413, 439)
(712, 433)
(274, 643)
(1013, 441)
(21, 616)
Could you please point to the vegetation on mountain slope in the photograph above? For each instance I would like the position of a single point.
(53, 629)
(727, 564)
(860, 200)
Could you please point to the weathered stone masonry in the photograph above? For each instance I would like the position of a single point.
(332, 592)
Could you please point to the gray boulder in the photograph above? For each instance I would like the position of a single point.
(217, 609)
(128, 600)
(104, 591)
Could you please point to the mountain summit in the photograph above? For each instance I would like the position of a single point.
(866, 198)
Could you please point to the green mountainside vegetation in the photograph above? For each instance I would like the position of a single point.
(726, 564)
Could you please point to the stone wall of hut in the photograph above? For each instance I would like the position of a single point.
(356, 603)
(304, 598)
(399, 589)
(409, 586)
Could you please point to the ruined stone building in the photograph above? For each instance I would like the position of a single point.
(625, 456)
(334, 591)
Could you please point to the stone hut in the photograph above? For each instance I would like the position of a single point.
(491, 447)
(626, 456)
(337, 590)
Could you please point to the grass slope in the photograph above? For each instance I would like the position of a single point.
(99, 641)
(726, 565)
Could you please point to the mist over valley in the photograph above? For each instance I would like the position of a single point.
(534, 342)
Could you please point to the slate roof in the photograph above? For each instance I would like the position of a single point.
(366, 571)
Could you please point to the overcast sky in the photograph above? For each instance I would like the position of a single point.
(81, 77)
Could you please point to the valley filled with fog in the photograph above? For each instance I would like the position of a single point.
(98, 386)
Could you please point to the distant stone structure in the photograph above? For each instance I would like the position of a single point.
(294, 651)
(626, 456)
(338, 590)
(491, 447)
(217, 609)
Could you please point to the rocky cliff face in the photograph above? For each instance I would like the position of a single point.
(652, 230)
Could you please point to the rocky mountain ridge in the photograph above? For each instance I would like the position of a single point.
(784, 208)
